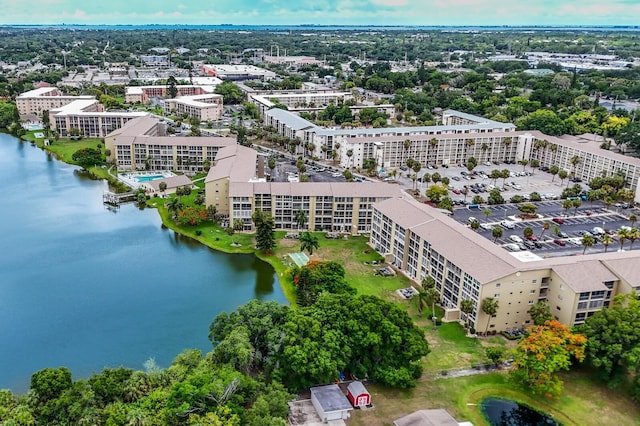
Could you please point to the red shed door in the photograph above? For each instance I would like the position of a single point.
(362, 400)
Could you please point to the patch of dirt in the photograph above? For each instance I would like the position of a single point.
(289, 243)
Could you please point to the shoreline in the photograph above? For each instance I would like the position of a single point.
(207, 229)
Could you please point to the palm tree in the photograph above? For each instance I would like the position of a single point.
(301, 218)
(432, 296)
(486, 213)
(545, 227)
(406, 144)
(467, 144)
(633, 219)
(349, 154)
(497, 232)
(587, 241)
(466, 306)
(507, 143)
(490, 308)
(484, 147)
(575, 160)
(308, 242)
(554, 170)
(622, 235)
(634, 234)
(606, 241)
(433, 143)
(174, 206)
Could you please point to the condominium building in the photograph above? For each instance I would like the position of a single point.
(203, 107)
(236, 187)
(34, 102)
(142, 94)
(460, 137)
(298, 100)
(422, 242)
(143, 144)
(238, 72)
(88, 117)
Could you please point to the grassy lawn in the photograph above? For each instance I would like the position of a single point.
(583, 402)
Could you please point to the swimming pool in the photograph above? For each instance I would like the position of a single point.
(147, 178)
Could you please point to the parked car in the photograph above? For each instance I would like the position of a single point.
(515, 238)
(563, 234)
(558, 220)
(529, 244)
(537, 244)
(532, 238)
(471, 219)
(512, 247)
(560, 242)
(507, 224)
(597, 231)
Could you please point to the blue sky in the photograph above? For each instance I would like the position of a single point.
(293, 12)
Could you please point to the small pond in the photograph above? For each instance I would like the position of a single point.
(504, 412)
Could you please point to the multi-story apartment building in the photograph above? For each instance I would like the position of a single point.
(234, 185)
(143, 144)
(142, 94)
(453, 143)
(421, 242)
(34, 102)
(89, 118)
(204, 107)
(238, 72)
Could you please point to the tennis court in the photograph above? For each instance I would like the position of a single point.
(299, 258)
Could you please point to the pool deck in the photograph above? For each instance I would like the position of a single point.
(130, 178)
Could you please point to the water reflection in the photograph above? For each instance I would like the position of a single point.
(504, 412)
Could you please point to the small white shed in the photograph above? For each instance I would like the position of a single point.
(330, 403)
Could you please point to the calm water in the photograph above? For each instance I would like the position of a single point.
(504, 412)
(86, 287)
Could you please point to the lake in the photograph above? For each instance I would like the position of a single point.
(87, 287)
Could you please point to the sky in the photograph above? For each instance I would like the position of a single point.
(323, 12)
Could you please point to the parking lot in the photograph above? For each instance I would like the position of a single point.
(570, 224)
(286, 171)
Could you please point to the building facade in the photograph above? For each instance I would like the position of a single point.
(422, 242)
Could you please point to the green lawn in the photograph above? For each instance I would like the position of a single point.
(583, 403)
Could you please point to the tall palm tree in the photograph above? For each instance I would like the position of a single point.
(545, 227)
(633, 219)
(490, 308)
(606, 241)
(575, 160)
(467, 144)
(238, 224)
(432, 296)
(174, 206)
(406, 145)
(433, 143)
(309, 242)
(466, 306)
(622, 235)
(634, 234)
(587, 241)
(507, 143)
(484, 147)
(301, 218)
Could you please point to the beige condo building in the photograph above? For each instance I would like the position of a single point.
(143, 144)
(420, 241)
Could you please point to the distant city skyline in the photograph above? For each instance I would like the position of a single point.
(327, 12)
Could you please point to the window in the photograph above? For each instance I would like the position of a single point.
(532, 292)
(531, 302)
(558, 307)
(496, 295)
(498, 285)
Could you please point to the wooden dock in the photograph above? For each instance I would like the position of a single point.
(114, 199)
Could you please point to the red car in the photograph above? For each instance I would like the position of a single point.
(558, 220)
(560, 242)
(532, 238)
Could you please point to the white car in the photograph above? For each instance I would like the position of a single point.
(512, 247)
(515, 239)
(597, 231)
(471, 219)
(507, 224)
